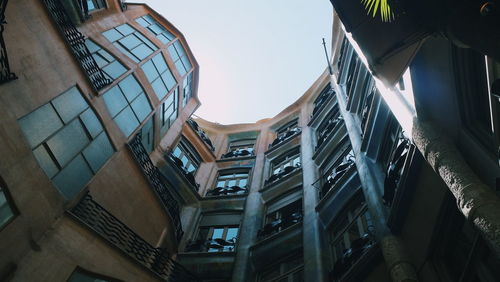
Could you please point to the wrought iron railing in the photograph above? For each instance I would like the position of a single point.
(328, 131)
(351, 255)
(238, 153)
(395, 170)
(218, 245)
(160, 188)
(335, 176)
(279, 225)
(282, 174)
(227, 191)
(5, 73)
(203, 135)
(188, 175)
(157, 260)
(320, 102)
(286, 136)
(76, 42)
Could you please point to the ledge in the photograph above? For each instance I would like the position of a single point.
(271, 152)
(236, 159)
(315, 120)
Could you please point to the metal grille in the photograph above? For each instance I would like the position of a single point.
(76, 41)
(5, 73)
(119, 235)
(160, 188)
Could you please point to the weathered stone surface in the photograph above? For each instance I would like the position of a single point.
(397, 260)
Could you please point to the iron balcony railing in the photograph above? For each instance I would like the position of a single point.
(188, 175)
(238, 153)
(203, 135)
(335, 176)
(76, 42)
(279, 225)
(328, 131)
(394, 170)
(212, 245)
(227, 191)
(157, 260)
(286, 136)
(351, 255)
(321, 101)
(160, 188)
(282, 174)
(5, 73)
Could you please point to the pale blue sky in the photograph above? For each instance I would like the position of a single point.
(256, 57)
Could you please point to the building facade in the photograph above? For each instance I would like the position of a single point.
(106, 176)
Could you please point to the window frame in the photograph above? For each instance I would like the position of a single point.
(124, 49)
(9, 202)
(291, 157)
(283, 273)
(146, 18)
(189, 151)
(233, 172)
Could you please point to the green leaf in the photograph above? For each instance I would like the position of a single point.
(380, 6)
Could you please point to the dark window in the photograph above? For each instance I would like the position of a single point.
(281, 214)
(289, 159)
(327, 126)
(95, 4)
(187, 86)
(81, 275)
(111, 67)
(127, 104)
(282, 131)
(188, 156)
(157, 29)
(180, 58)
(351, 235)
(7, 210)
(147, 135)
(159, 75)
(68, 141)
(242, 144)
(288, 269)
(130, 42)
(230, 183)
(326, 94)
(169, 111)
(219, 238)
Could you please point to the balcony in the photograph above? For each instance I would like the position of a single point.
(361, 250)
(61, 15)
(282, 138)
(159, 187)
(282, 174)
(321, 101)
(194, 125)
(157, 260)
(211, 245)
(239, 153)
(328, 131)
(335, 177)
(279, 225)
(188, 175)
(228, 191)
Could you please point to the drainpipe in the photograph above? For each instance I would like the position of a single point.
(478, 202)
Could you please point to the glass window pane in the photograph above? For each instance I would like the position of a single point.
(217, 233)
(126, 121)
(159, 88)
(150, 71)
(232, 233)
(114, 70)
(125, 29)
(130, 87)
(6, 212)
(160, 63)
(73, 177)
(98, 152)
(40, 124)
(45, 161)
(114, 100)
(141, 107)
(169, 79)
(91, 123)
(69, 104)
(142, 51)
(68, 142)
(112, 35)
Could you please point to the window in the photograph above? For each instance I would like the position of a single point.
(111, 67)
(158, 30)
(327, 126)
(68, 141)
(461, 254)
(179, 57)
(285, 132)
(169, 111)
(351, 235)
(147, 135)
(290, 269)
(188, 156)
(95, 4)
(280, 218)
(240, 148)
(187, 88)
(338, 166)
(226, 233)
(7, 210)
(81, 275)
(289, 159)
(324, 96)
(127, 104)
(130, 42)
(159, 75)
(230, 183)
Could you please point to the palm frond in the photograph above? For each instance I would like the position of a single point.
(381, 6)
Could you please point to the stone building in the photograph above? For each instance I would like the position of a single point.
(105, 175)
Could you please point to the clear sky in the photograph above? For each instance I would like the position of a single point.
(256, 57)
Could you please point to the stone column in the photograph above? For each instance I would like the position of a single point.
(476, 201)
(397, 261)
